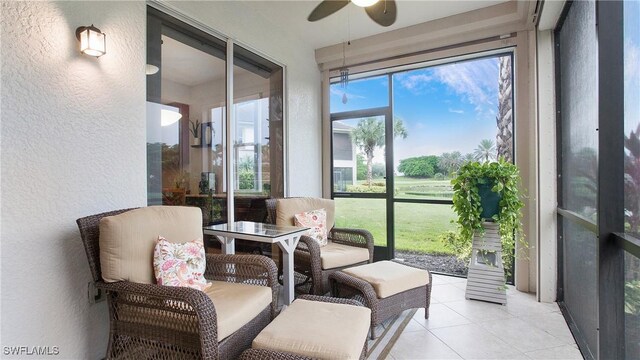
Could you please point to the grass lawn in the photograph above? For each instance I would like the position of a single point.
(417, 226)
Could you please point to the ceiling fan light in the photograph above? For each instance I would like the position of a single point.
(364, 3)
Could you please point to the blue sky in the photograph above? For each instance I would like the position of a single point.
(631, 65)
(445, 108)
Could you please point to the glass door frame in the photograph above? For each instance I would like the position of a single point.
(167, 15)
(380, 252)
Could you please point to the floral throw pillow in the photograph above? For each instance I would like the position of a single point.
(178, 264)
(316, 221)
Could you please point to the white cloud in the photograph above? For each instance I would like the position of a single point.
(456, 111)
(415, 81)
(476, 81)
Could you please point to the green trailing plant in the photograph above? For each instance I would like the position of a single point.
(194, 128)
(505, 180)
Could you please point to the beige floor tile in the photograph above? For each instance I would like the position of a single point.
(439, 279)
(446, 292)
(456, 280)
(521, 335)
(414, 325)
(421, 345)
(552, 323)
(473, 342)
(440, 316)
(567, 352)
(475, 310)
(526, 305)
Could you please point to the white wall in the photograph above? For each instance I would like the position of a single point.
(73, 144)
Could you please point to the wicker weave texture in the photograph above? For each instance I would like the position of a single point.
(307, 260)
(346, 286)
(149, 321)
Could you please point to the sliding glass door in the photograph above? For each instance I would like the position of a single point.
(188, 122)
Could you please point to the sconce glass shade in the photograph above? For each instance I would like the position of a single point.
(364, 3)
(151, 69)
(92, 41)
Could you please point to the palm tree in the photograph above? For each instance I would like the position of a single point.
(504, 118)
(451, 162)
(369, 134)
(485, 151)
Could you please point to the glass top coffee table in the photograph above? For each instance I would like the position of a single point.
(286, 237)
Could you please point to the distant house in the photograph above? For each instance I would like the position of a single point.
(344, 157)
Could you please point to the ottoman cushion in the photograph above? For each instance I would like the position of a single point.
(389, 278)
(318, 330)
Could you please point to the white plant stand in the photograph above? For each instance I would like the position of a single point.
(485, 280)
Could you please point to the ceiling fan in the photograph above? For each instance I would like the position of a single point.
(382, 12)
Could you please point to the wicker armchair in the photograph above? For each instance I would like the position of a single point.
(307, 257)
(164, 322)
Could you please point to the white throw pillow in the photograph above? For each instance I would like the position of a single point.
(178, 264)
(316, 221)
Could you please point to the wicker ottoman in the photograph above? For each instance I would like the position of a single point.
(314, 327)
(386, 287)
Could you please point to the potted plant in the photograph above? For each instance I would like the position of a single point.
(194, 128)
(488, 191)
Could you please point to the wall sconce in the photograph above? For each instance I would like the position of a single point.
(92, 41)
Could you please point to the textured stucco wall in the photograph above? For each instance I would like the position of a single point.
(73, 144)
(73, 136)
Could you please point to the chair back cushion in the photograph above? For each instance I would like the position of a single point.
(127, 240)
(286, 209)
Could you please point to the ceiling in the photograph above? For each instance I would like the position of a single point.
(190, 67)
(352, 22)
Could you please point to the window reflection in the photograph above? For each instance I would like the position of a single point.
(186, 123)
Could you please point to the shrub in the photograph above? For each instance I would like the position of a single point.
(455, 242)
(366, 189)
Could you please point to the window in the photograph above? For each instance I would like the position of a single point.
(397, 140)
(187, 153)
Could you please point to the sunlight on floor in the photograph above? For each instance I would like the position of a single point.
(469, 329)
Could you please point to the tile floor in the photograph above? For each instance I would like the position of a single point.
(469, 329)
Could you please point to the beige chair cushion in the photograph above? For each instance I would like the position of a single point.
(317, 330)
(335, 255)
(389, 278)
(127, 240)
(287, 208)
(237, 304)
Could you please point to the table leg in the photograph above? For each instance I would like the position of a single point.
(288, 246)
(228, 244)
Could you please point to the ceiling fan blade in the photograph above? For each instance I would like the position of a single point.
(383, 12)
(326, 8)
